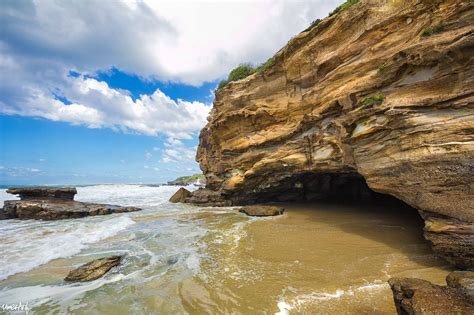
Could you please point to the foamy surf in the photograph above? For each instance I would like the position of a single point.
(29, 244)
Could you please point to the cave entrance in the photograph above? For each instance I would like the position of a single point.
(344, 187)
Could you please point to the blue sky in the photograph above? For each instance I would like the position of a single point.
(83, 101)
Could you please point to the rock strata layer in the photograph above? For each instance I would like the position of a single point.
(376, 98)
(52, 204)
(417, 296)
(94, 269)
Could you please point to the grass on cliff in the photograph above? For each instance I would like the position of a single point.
(373, 100)
(343, 6)
(244, 70)
(433, 30)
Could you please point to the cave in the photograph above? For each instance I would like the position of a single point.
(344, 187)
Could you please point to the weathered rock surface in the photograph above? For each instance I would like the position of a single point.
(262, 211)
(180, 195)
(54, 204)
(417, 296)
(94, 269)
(366, 97)
(43, 192)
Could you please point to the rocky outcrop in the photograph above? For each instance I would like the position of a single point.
(378, 97)
(43, 192)
(417, 296)
(53, 204)
(262, 211)
(94, 269)
(180, 195)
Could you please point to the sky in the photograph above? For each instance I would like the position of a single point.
(117, 91)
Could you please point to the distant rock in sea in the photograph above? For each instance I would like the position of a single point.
(53, 204)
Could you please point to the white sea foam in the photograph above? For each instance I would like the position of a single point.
(284, 308)
(315, 297)
(27, 244)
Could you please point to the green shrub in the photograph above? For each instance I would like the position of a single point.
(264, 66)
(244, 70)
(313, 24)
(381, 68)
(433, 30)
(372, 100)
(343, 6)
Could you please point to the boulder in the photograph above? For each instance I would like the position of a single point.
(416, 296)
(94, 269)
(463, 281)
(180, 195)
(262, 211)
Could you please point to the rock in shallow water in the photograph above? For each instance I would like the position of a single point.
(180, 195)
(94, 269)
(416, 296)
(66, 193)
(262, 211)
(53, 204)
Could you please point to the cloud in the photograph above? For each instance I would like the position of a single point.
(188, 42)
(19, 171)
(180, 41)
(176, 151)
(94, 104)
(148, 155)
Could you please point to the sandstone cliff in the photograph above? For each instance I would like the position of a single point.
(380, 93)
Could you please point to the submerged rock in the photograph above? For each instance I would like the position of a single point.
(54, 204)
(94, 269)
(180, 195)
(363, 98)
(416, 296)
(262, 211)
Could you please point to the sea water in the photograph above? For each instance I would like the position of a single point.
(319, 258)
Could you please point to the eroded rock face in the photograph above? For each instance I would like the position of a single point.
(416, 296)
(262, 211)
(94, 269)
(368, 93)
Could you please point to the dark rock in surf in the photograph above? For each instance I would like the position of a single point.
(94, 269)
(53, 204)
(65, 193)
(180, 195)
(262, 211)
(416, 296)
